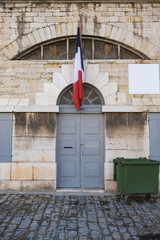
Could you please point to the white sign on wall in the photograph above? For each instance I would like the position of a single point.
(143, 78)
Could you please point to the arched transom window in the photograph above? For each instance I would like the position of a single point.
(93, 48)
(91, 96)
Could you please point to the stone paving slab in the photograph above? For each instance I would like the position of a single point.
(77, 216)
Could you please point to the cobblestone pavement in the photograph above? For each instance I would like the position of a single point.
(52, 216)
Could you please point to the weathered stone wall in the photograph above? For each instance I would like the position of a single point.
(30, 89)
(127, 135)
(26, 24)
(33, 153)
(27, 84)
(21, 80)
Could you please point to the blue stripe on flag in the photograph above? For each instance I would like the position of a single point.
(78, 44)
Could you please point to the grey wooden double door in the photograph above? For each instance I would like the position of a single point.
(80, 147)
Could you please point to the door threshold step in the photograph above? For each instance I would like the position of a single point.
(76, 190)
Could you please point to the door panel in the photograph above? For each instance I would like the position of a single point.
(68, 150)
(94, 170)
(92, 154)
(91, 148)
(68, 169)
(68, 147)
(80, 147)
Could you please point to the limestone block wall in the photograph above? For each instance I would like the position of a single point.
(28, 85)
(24, 25)
(33, 153)
(30, 90)
(20, 80)
(127, 135)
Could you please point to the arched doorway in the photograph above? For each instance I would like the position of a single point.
(80, 140)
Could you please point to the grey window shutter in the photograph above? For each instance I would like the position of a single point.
(6, 123)
(154, 135)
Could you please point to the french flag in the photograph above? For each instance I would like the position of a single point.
(78, 74)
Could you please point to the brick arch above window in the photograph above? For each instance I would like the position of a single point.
(56, 31)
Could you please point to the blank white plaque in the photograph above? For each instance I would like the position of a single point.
(143, 78)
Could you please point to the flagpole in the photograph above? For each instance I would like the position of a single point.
(80, 28)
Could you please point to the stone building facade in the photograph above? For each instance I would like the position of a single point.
(30, 88)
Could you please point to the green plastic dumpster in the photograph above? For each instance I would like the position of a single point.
(136, 176)
(115, 161)
(120, 159)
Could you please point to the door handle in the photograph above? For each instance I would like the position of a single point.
(82, 149)
(68, 147)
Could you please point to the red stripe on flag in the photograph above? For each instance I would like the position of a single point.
(78, 91)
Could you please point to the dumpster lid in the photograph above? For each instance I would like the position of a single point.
(142, 161)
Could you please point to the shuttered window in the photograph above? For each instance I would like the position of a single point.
(154, 136)
(5, 137)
